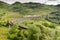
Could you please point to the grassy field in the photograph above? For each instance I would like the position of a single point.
(3, 33)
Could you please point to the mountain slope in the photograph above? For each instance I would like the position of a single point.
(5, 13)
(54, 17)
(3, 5)
(32, 8)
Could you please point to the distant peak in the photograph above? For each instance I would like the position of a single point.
(17, 2)
(2, 2)
(58, 5)
(32, 3)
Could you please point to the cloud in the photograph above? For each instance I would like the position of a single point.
(40, 1)
(9, 1)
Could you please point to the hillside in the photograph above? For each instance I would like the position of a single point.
(32, 8)
(4, 5)
(28, 8)
(54, 17)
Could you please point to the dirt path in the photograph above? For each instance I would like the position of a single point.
(25, 18)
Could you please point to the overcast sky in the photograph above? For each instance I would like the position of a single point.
(50, 2)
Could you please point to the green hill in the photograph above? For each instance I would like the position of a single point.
(4, 5)
(54, 17)
(32, 8)
(5, 13)
(28, 8)
(17, 8)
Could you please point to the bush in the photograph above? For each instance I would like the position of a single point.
(49, 25)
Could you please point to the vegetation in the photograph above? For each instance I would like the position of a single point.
(54, 17)
(44, 27)
(32, 8)
(34, 31)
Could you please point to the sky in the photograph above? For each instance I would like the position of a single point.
(48, 2)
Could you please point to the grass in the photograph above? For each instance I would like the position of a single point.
(3, 33)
